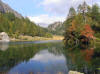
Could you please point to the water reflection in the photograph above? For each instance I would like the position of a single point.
(43, 61)
(49, 58)
(85, 59)
(33, 58)
(42, 56)
(4, 46)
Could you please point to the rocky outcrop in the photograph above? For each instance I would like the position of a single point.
(57, 28)
(4, 37)
(1, 7)
(5, 8)
(55, 25)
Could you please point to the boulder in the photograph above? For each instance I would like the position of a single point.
(4, 37)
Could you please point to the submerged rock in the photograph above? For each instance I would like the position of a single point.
(4, 37)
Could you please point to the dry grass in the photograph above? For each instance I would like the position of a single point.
(30, 38)
(74, 72)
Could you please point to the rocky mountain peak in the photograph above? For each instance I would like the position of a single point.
(56, 28)
(55, 25)
(5, 8)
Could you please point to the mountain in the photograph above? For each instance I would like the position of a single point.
(15, 27)
(43, 25)
(5, 8)
(56, 28)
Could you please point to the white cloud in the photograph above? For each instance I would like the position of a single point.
(55, 6)
(46, 19)
(61, 6)
(42, 56)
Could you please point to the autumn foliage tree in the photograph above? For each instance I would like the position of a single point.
(79, 26)
(87, 31)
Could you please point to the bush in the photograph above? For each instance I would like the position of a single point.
(48, 35)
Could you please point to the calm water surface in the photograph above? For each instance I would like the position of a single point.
(48, 57)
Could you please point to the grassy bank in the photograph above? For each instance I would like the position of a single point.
(36, 38)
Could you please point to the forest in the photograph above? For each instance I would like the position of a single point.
(15, 26)
(83, 21)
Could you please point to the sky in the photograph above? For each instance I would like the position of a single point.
(45, 12)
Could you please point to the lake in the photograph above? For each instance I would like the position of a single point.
(48, 57)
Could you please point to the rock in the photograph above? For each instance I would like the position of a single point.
(57, 28)
(74, 72)
(4, 37)
(5, 8)
(1, 7)
(55, 25)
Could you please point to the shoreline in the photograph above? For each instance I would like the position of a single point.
(29, 38)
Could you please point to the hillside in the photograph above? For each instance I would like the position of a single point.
(14, 24)
(5, 8)
(56, 28)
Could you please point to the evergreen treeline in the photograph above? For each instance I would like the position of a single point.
(15, 26)
(84, 14)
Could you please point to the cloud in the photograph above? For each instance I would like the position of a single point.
(45, 19)
(42, 56)
(58, 8)
(61, 6)
(55, 6)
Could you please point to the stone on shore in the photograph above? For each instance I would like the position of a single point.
(4, 37)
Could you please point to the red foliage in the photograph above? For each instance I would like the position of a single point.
(88, 32)
(88, 53)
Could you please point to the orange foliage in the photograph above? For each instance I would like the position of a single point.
(88, 32)
(72, 27)
(88, 53)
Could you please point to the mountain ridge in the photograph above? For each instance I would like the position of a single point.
(56, 28)
(5, 8)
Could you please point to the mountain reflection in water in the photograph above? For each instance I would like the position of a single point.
(49, 57)
(44, 61)
(46, 57)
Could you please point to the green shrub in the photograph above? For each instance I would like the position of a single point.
(48, 35)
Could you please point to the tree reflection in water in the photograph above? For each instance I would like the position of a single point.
(84, 58)
(18, 54)
(80, 58)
